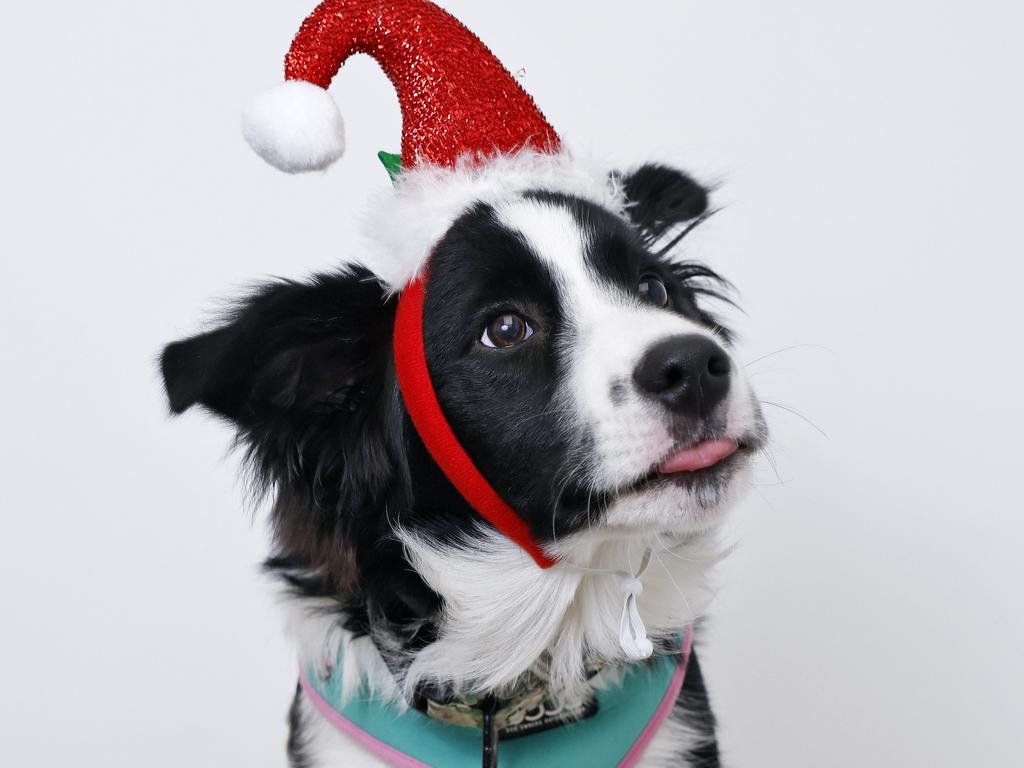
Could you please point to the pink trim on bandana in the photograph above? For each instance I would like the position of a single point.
(667, 702)
(372, 743)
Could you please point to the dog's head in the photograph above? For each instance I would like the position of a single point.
(576, 359)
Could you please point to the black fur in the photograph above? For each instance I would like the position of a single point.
(694, 708)
(296, 746)
(661, 198)
(305, 373)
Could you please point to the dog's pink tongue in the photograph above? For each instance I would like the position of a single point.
(699, 456)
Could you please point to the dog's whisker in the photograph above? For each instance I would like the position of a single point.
(563, 485)
(765, 372)
(522, 420)
(791, 347)
(590, 522)
(765, 498)
(686, 602)
(797, 414)
(671, 551)
(770, 458)
(678, 238)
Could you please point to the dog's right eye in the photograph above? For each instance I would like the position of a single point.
(652, 290)
(506, 330)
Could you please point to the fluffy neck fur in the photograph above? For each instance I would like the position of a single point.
(502, 617)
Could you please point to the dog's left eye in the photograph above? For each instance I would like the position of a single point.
(653, 290)
(506, 330)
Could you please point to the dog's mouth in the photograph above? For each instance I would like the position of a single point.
(703, 466)
(701, 455)
(711, 459)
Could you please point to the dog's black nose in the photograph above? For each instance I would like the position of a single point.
(689, 374)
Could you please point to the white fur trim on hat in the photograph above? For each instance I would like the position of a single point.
(295, 126)
(403, 227)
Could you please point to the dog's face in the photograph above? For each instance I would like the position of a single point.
(576, 364)
(575, 361)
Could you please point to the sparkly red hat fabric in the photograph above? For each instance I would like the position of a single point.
(456, 97)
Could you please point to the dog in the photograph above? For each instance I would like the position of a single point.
(580, 362)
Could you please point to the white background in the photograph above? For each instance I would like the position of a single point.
(870, 158)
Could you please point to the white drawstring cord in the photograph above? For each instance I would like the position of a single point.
(632, 632)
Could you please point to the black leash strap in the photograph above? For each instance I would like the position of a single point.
(489, 707)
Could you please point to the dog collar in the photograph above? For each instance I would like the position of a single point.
(626, 719)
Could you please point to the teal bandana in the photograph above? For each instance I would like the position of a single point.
(626, 718)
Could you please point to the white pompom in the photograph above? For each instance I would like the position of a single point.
(295, 126)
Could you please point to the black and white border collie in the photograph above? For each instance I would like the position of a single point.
(578, 361)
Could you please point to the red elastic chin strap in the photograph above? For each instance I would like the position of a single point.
(428, 418)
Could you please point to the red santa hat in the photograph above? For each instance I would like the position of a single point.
(456, 97)
(470, 133)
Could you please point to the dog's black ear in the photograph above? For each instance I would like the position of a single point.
(659, 197)
(289, 349)
(304, 371)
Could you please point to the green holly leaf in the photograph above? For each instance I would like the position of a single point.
(392, 163)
